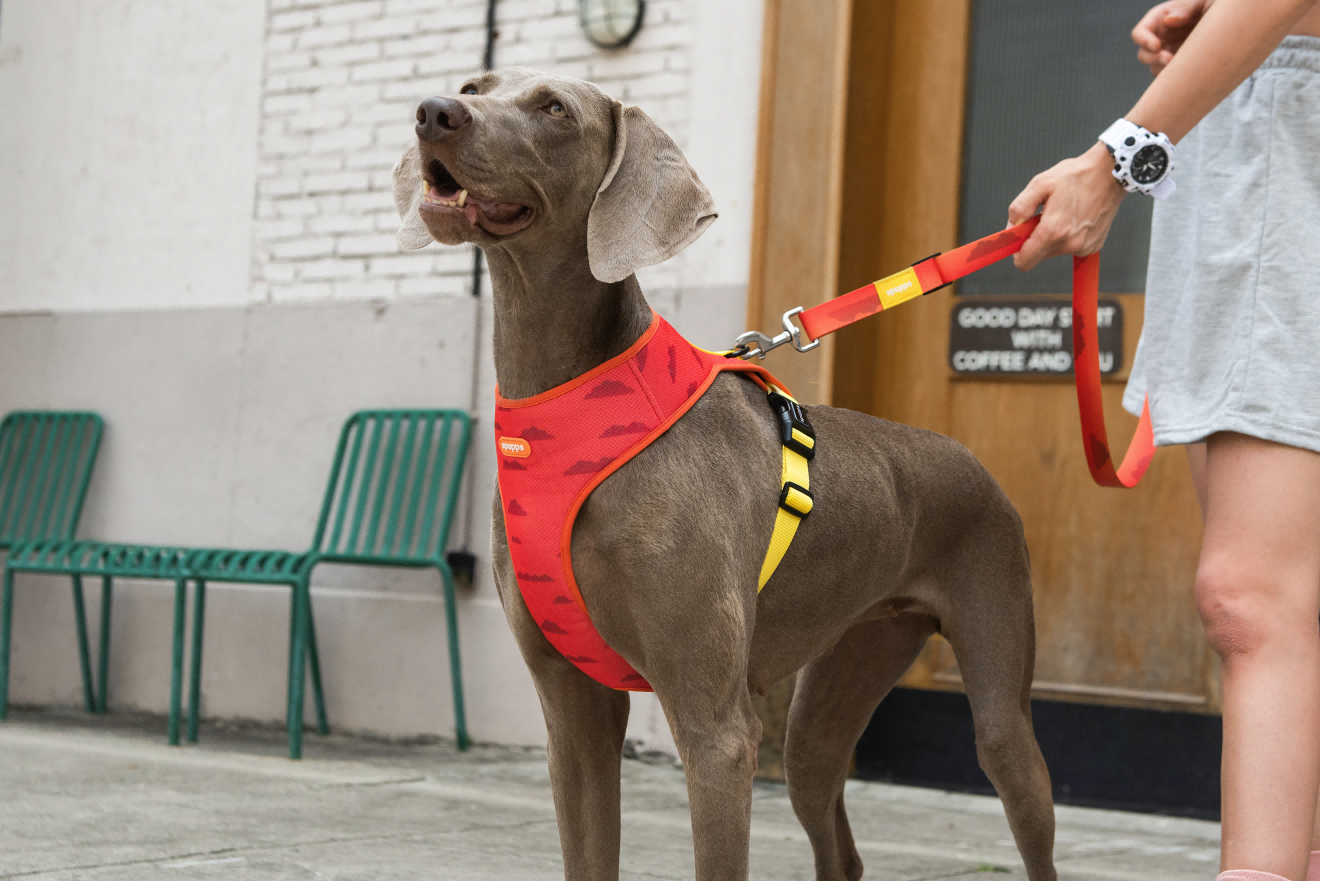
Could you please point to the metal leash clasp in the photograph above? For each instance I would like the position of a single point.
(792, 334)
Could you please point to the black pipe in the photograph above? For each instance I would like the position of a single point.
(463, 563)
(487, 63)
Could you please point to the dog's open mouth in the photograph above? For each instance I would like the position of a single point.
(443, 194)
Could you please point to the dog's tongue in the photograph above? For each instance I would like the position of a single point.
(495, 212)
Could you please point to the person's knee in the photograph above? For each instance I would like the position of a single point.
(1242, 608)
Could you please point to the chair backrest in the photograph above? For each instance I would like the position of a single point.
(46, 460)
(394, 486)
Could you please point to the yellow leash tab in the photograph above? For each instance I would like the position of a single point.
(795, 500)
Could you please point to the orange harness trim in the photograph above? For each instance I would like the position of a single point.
(555, 448)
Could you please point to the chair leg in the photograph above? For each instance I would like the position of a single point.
(455, 662)
(176, 666)
(318, 696)
(195, 667)
(6, 619)
(298, 671)
(103, 648)
(84, 656)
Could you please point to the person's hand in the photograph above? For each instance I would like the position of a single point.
(1080, 197)
(1162, 30)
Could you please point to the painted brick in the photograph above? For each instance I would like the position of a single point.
(367, 246)
(435, 285)
(292, 21)
(352, 11)
(279, 105)
(318, 120)
(280, 186)
(279, 273)
(301, 292)
(344, 182)
(293, 207)
(271, 230)
(351, 53)
(332, 270)
(342, 223)
(429, 44)
(382, 70)
(313, 78)
(383, 28)
(341, 141)
(384, 158)
(304, 248)
(368, 202)
(312, 38)
(280, 61)
(366, 289)
(413, 263)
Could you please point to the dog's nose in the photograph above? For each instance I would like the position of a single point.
(437, 117)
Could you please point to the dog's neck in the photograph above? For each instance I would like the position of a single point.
(554, 321)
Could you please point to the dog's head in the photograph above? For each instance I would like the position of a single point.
(524, 160)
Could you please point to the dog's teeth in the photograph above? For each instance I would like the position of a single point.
(462, 198)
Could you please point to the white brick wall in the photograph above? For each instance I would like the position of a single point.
(341, 84)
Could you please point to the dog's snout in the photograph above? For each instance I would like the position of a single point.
(437, 117)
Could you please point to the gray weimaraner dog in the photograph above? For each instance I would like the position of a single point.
(569, 193)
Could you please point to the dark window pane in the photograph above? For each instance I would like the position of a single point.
(1046, 77)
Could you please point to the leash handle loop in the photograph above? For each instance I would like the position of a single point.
(1090, 400)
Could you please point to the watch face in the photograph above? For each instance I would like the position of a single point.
(1149, 164)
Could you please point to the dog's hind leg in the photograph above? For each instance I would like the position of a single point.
(832, 704)
(993, 636)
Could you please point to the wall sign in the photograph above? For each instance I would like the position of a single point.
(995, 336)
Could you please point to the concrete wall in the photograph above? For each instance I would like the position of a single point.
(197, 241)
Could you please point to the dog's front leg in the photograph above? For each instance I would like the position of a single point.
(585, 721)
(717, 734)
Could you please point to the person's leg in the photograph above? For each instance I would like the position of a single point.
(1258, 593)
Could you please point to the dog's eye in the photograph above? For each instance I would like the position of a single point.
(469, 89)
(556, 109)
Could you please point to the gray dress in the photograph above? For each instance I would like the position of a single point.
(1231, 340)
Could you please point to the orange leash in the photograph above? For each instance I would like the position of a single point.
(934, 273)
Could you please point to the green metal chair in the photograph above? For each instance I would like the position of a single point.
(389, 501)
(46, 460)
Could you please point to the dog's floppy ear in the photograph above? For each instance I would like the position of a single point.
(651, 204)
(407, 197)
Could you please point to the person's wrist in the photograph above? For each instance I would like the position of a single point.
(1099, 160)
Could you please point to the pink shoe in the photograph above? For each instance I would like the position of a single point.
(1251, 875)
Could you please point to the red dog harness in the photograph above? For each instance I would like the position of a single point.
(558, 446)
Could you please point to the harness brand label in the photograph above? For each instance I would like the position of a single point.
(515, 447)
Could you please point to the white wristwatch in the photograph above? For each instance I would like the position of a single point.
(1143, 160)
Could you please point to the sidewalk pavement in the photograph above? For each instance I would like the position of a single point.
(104, 799)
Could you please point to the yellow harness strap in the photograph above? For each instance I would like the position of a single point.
(795, 500)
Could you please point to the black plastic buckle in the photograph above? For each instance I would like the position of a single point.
(793, 415)
(923, 260)
(783, 499)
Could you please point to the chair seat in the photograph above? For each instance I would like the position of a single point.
(158, 561)
(223, 564)
(99, 558)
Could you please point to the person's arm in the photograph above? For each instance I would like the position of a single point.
(1080, 196)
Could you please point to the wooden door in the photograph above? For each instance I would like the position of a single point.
(882, 141)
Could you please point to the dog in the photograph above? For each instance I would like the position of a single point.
(568, 193)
